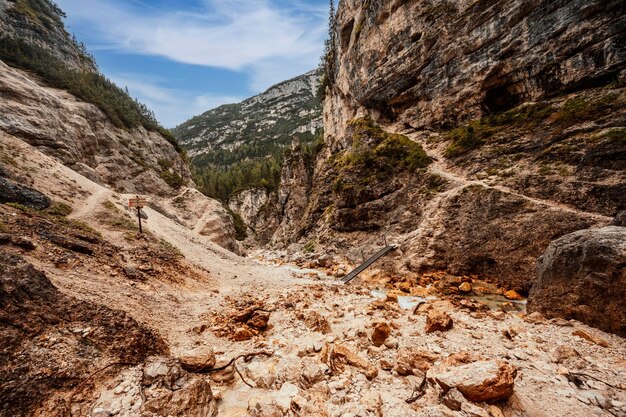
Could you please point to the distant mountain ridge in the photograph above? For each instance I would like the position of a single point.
(262, 124)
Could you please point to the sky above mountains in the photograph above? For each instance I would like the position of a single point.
(183, 57)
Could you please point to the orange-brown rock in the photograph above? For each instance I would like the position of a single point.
(488, 381)
(242, 333)
(465, 287)
(513, 295)
(338, 356)
(196, 360)
(404, 286)
(380, 334)
(588, 337)
(392, 295)
(409, 360)
(194, 400)
(438, 321)
(317, 322)
(259, 319)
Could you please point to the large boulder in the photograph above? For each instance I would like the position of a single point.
(582, 276)
(488, 381)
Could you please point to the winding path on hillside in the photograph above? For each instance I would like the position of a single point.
(432, 225)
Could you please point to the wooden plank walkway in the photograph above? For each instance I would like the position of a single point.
(353, 274)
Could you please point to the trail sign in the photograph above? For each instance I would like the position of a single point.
(138, 203)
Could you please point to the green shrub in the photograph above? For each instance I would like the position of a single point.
(403, 151)
(172, 178)
(42, 13)
(573, 110)
(377, 150)
(472, 136)
(617, 135)
(309, 247)
(59, 209)
(464, 139)
(114, 217)
(20, 207)
(170, 249)
(524, 114)
(241, 229)
(78, 227)
(122, 110)
(578, 109)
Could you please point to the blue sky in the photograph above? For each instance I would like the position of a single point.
(184, 57)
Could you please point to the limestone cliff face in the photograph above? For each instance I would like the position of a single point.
(437, 62)
(81, 136)
(248, 204)
(279, 217)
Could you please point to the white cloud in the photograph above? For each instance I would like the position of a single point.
(171, 106)
(269, 41)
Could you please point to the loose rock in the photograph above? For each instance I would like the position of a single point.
(337, 356)
(488, 381)
(380, 334)
(465, 287)
(513, 295)
(438, 321)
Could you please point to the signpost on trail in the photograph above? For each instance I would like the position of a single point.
(138, 203)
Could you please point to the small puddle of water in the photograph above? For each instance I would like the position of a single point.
(305, 271)
(499, 302)
(493, 301)
(406, 302)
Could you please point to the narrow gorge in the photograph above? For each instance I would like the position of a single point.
(482, 143)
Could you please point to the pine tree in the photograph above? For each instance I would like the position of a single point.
(329, 57)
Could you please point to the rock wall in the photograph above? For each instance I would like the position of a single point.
(81, 136)
(279, 217)
(248, 204)
(437, 62)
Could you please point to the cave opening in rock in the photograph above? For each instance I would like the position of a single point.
(346, 34)
(500, 98)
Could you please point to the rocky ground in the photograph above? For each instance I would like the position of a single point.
(296, 341)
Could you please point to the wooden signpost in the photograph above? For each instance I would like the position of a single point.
(138, 203)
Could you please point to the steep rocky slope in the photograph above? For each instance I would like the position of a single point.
(267, 121)
(82, 137)
(96, 130)
(72, 308)
(520, 110)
